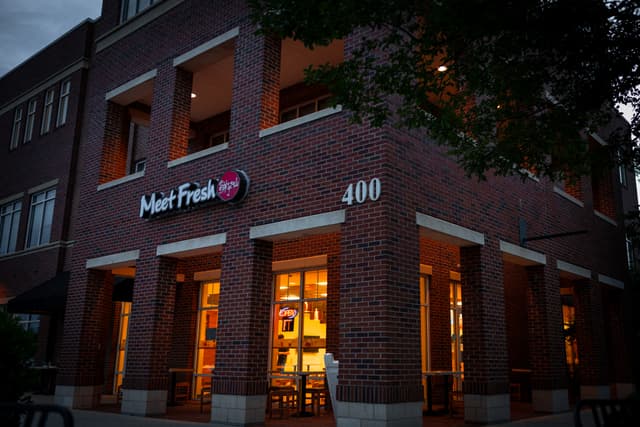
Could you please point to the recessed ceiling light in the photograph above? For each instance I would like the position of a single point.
(193, 95)
(442, 68)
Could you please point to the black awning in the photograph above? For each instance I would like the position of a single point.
(49, 297)
(122, 289)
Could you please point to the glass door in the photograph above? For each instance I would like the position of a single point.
(121, 353)
(299, 329)
(455, 314)
(206, 337)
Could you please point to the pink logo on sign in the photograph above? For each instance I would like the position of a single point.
(229, 186)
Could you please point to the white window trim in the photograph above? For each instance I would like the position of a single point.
(441, 230)
(44, 202)
(198, 155)
(47, 111)
(300, 121)
(15, 129)
(137, 81)
(11, 248)
(63, 103)
(43, 186)
(109, 262)
(560, 192)
(119, 181)
(206, 46)
(605, 218)
(31, 120)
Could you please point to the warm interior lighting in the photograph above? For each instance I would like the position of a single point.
(322, 283)
(193, 95)
(443, 68)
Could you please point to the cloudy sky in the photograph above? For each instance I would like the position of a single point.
(26, 26)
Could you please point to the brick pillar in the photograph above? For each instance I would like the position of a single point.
(113, 164)
(486, 364)
(256, 90)
(379, 380)
(146, 379)
(546, 343)
(170, 117)
(86, 324)
(620, 360)
(240, 381)
(590, 335)
(333, 302)
(439, 304)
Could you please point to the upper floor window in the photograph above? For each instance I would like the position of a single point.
(31, 119)
(15, 131)
(41, 218)
(30, 322)
(47, 112)
(63, 103)
(9, 223)
(131, 8)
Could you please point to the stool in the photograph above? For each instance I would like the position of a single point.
(316, 396)
(282, 401)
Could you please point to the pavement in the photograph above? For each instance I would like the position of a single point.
(109, 417)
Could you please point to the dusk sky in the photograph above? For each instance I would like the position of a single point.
(26, 26)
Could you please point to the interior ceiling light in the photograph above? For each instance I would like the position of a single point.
(193, 95)
(442, 68)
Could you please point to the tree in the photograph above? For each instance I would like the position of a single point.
(506, 86)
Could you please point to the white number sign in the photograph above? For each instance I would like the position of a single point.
(362, 191)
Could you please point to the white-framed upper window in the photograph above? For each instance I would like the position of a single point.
(31, 119)
(15, 131)
(40, 218)
(306, 108)
(9, 223)
(63, 103)
(47, 112)
(131, 8)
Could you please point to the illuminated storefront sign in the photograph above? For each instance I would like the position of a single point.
(231, 187)
(288, 313)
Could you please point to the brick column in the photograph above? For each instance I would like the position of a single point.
(590, 336)
(113, 163)
(486, 364)
(619, 360)
(146, 379)
(546, 343)
(242, 356)
(87, 324)
(440, 319)
(379, 380)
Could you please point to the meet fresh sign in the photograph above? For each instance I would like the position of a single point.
(231, 187)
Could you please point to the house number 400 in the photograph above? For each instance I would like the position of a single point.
(362, 191)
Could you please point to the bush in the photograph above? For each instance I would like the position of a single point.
(18, 348)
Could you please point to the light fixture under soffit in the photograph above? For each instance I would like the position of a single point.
(443, 68)
(193, 95)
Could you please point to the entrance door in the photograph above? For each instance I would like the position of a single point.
(455, 315)
(299, 328)
(206, 337)
(121, 354)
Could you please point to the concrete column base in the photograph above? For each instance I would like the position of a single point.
(595, 392)
(487, 409)
(78, 397)
(550, 400)
(232, 410)
(623, 390)
(144, 402)
(355, 414)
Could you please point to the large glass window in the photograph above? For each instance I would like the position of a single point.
(63, 103)
(15, 131)
(47, 112)
(455, 314)
(299, 323)
(31, 118)
(9, 223)
(30, 322)
(41, 218)
(206, 337)
(121, 354)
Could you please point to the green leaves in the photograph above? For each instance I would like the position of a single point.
(526, 82)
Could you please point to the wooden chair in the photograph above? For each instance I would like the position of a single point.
(282, 400)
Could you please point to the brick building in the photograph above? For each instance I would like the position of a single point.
(232, 227)
(41, 107)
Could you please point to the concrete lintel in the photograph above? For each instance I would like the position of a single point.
(447, 232)
(206, 47)
(43, 186)
(109, 262)
(299, 227)
(521, 256)
(610, 281)
(426, 269)
(573, 271)
(192, 247)
(113, 94)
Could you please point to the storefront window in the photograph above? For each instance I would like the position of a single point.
(299, 324)
(206, 337)
(455, 314)
(425, 341)
(121, 354)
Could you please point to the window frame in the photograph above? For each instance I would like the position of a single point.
(31, 120)
(131, 8)
(15, 129)
(47, 111)
(63, 103)
(48, 198)
(14, 225)
(316, 104)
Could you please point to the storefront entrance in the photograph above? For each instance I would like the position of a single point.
(121, 353)
(205, 359)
